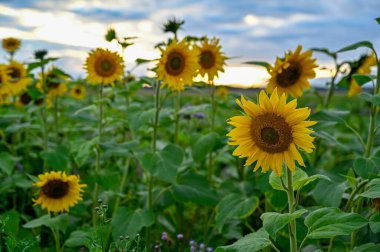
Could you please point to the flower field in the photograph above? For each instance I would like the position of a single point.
(175, 162)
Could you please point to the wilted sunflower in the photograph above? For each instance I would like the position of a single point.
(271, 132)
(177, 66)
(211, 59)
(78, 92)
(58, 191)
(290, 75)
(18, 79)
(104, 67)
(11, 44)
(364, 65)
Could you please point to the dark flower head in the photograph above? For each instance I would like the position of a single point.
(110, 35)
(173, 25)
(40, 54)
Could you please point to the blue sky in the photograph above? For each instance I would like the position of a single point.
(248, 29)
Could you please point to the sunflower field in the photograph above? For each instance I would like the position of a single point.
(116, 162)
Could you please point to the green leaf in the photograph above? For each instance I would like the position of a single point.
(234, 206)
(140, 61)
(260, 63)
(331, 221)
(374, 99)
(378, 20)
(368, 247)
(356, 46)
(57, 159)
(203, 146)
(130, 222)
(34, 65)
(249, 243)
(325, 51)
(274, 222)
(59, 222)
(300, 179)
(373, 189)
(6, 163)
(118, 150)
(78, 238)
(90, 108)
(164, 164)
(362, 79)
(328, 193)
(374, 223)
(10, 222)
(195, 188)
(366, 167)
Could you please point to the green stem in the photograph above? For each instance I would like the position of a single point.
(44, 117)
(292, 224)
(100, 132)
(176, 115)
(154, 148)
(331, 89)
(56, 117)
(213, 105)
(57, 239)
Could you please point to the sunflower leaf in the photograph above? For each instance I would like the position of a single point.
(274, 222)
(374, 99)
(331, 221)
(260, 63)
(356, 46)
(373, 189)
(249, 243)
(59, 222)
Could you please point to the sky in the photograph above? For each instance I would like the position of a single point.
(249, 30)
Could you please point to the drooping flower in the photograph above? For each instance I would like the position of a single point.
(211, 59)
(363, 66)
(177, 65)
(58, 191)
(291, 75)
(104, 67)
(271, 132)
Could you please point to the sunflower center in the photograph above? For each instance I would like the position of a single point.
(14, 73)
(11, 43)
(55, 189)
(52, 82)
(25, 98)
(271, 133)
(105, 67)
(207, 59)
(290, 75)
(77, 91)
(175, 63)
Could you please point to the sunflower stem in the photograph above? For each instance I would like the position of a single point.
(177, 98)
(154, 148)
(212, 124)
(43, 117)
(292, 224)
(100, 132)
(56, 117)
(331, 90)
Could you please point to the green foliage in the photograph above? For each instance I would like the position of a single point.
(329, 222)
(274, 222)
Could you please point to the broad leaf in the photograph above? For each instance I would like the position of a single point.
(203, 146)
(274, 222)
(374, 223)
(59, 222)
(356, 46)
(260, 63)
(249, 243)
(330, 221)
(234, 206)
(373, 189)
(78, 238)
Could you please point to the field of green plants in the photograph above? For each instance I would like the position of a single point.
(116, 162)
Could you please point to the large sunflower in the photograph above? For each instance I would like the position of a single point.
(18, 79)
(290, 75)
(58, 191)
(364, 65)
(211, 59)
(78, 92)
(4, 80)
(178, 65)
(104, 67)
(11, 44)
(271, 132)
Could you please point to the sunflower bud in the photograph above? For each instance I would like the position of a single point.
(40, 54)
(173, 25)
(110, 35)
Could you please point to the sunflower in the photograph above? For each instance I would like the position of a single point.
(4, 80)
(78, 92)
(222, 92)
(364, 65)
(104, 67)
(290, 75)
(211, 59)
(271, 132)
(177, 65)
(18, 79)
(11, 44)
(58, 191)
